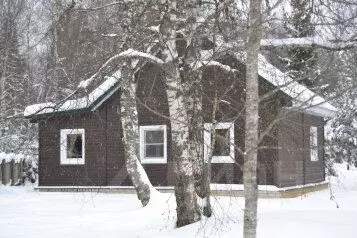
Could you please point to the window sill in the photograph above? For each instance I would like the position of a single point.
(222, 160)
(73, 161)
(154, 161)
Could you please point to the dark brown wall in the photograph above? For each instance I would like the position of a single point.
(231, 88)
(105, 163)
(314, 170)
(93, 172)
(295, 166)
(104, 158)
(153, 109)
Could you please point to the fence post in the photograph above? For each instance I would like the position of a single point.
(20, 170)
(6, 172)
(0, 173)
(14, 172)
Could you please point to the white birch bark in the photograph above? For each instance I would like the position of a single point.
(251, 122)
(207, 208)
(180, 102)
(129, 117)
(187, 208)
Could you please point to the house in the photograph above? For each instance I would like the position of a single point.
(80, 141)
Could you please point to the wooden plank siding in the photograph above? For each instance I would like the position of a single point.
(295, 166)
(93, 171)
(104, 158)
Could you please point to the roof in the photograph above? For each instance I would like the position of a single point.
(303, 98)
(90, 101)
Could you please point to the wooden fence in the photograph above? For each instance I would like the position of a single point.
(11, 173)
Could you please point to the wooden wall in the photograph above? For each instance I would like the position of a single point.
(104, 162)
(295, 166)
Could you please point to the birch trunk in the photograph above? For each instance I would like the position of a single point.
(130, 140)
(207, 208)
(181, 103)
(187, 208)
(251, 122)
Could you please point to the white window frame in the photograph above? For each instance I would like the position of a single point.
(152, 160)
(314, 152)
(207, 142)
(63, 147)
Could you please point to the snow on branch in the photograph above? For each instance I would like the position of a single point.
(110, 35)
(310, 41)
(199, 65)
(130, 53)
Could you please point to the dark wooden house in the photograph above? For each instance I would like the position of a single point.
(80, 142)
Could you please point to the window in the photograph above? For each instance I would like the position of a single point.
(72, 146)
(223, 149)
(313, 144)
(153, 144)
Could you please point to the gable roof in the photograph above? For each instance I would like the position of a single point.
(92, 101)
(303, 98)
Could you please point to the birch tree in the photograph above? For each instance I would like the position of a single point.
(252, 119)
(129, 117)
(172, 42)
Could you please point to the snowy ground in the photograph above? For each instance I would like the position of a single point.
(25, 213)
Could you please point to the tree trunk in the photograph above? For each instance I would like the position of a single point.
(187, 208)
(181, 103)
(130, 140)
(251, 121)
(207, 208)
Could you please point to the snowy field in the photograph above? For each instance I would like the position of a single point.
(25, 213)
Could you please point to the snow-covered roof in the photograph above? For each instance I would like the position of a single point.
(303, 98)
(76, 104)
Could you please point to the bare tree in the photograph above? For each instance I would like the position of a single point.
(252, 119)
(129, 117)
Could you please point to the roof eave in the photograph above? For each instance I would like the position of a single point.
(90, 107)
(318, 111)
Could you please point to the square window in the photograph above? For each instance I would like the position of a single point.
(223, 136)
(221, 146)
(72, 146)
(153, 144)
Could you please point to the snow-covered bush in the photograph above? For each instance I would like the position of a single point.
(29, 166)
(30, 171)
(342, 134)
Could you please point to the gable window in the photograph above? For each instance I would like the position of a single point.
(314, 155)
(222, 151)
(72, 146)
(153, 144)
